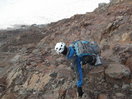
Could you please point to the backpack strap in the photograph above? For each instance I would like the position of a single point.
(73, 46)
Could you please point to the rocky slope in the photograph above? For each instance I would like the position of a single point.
(34, 71)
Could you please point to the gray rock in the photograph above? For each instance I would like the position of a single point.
(53, 75)
(15, 58)
(116, 86)
(2, 88)
(33, 63)
(125, 86)
(16, 88)
(130, 85)
(119, 94)
(117, 71)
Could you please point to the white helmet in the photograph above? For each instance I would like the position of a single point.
(59, 47)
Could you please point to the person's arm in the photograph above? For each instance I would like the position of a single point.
(70, 53)
(71, 57)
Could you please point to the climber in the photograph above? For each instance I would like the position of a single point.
(80, 53)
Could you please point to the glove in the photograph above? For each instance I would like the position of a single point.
(80, 92)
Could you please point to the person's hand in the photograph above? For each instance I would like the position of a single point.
(80, 92)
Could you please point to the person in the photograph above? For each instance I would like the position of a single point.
(79, 58)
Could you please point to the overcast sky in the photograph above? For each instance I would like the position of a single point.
(42, 11)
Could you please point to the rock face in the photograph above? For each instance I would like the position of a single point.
(117, 71)
(30, 68)
(37, 82)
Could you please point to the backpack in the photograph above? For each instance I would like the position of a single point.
(83, 48)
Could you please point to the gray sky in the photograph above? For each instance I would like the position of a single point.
(42, 11)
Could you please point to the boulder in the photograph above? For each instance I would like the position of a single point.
(119, 95)
(102, 96)
(127, 37)
(125, 86)
(129, 63)
(117, 71)
(9, 96)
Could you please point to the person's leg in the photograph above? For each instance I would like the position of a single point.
(91, 59)
(88, 59)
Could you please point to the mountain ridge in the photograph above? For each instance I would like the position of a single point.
(35, 71)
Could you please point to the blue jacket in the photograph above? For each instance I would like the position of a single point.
(76, 65)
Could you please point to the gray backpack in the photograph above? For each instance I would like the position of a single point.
(84, 48)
